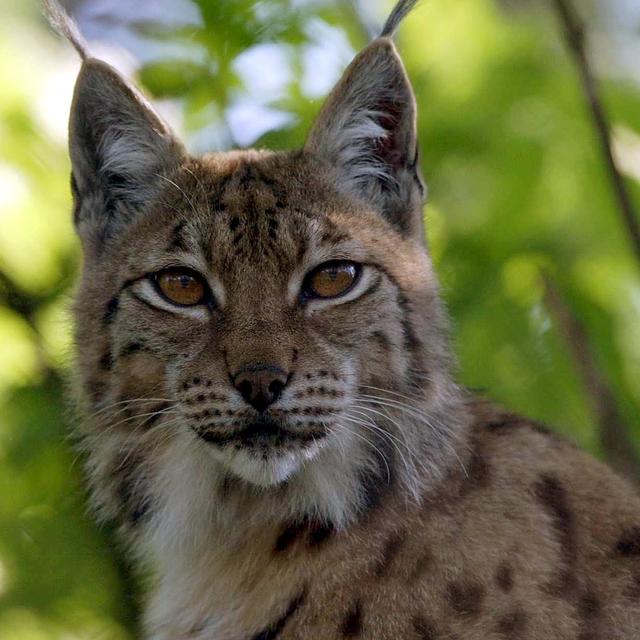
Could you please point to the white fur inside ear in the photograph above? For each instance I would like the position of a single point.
(136, 154)
(125, 151)
(353, 147)
(367, 132)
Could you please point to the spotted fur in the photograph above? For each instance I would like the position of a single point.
(370, 497)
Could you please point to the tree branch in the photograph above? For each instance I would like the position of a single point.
(575, 38)
(26, 306)
(16, 299)
(613, 432)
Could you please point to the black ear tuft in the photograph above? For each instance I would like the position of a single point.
(399, 13)
(64, 25)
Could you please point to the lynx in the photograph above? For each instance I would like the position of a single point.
(271, 418)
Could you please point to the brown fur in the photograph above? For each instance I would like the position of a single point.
(532, 553)
(373, 498)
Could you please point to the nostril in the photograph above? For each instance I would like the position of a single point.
(246, 390)
(275, 389)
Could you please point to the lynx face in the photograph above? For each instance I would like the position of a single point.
(258, 300)
(260, 316)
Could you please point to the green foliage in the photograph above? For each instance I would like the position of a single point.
(517, 188)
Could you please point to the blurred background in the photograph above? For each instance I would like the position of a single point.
(536, 265)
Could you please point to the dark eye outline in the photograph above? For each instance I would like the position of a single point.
(207, 296)
(307, 292)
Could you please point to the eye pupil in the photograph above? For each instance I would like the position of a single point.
(332, 280)
(181, 287)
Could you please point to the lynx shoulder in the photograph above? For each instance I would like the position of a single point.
(272, 419)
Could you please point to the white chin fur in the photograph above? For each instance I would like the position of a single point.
(265, 472)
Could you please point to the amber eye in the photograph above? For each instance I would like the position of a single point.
(331, 280)
(182, 287)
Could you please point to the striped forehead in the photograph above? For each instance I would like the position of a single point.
(252, 218)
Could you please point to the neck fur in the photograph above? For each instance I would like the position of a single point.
(389, 444)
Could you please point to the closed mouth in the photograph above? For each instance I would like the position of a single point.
(263, 434)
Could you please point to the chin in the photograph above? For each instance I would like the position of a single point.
(267, 468)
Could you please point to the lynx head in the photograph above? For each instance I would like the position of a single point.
(264, 319)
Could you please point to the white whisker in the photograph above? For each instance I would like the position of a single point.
(373, 446)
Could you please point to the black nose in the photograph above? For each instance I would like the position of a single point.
(260, 385)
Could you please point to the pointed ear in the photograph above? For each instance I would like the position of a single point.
(367, 131)
(119, 148)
